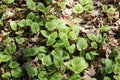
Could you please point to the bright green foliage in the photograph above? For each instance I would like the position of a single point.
(8, 1)
(116, 77)
(116, 69)
(31, 5)
(106, 78)
(14, 64)
(91, 36)
(98, 38)
(13, 25)
(110, 10)
(82, 44)
(35, 27)
(47, 60)
(57, 60)
(91, 55)
(62, 4)
(78, 8)
(40, 7)
(11, 49)
(57, 76)
(77, 65)
(4, 58)
(31, 16)
(83, 2)
(30, 51)
(19, 40)
(108, 66)
(75, 77)
(105, 8)
(6, 75)
(31, 71)
(51, 38)
(94, 45)
(17, 72)
(88, 8)
(22, 23)
(117, 59)
(7, 41)
(44, 33)
(72, 48)
(105, 28)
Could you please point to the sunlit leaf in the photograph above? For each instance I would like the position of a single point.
(82, 44)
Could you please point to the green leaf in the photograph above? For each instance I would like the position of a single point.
(11, 49)
(30, 4)
(51, 25)
(75, 77)
(4, 58)
(42, 49)
(75, 29)
(22, 23)
(50, 42)
(46, 60)
(35, 27)
(31, 71)
(41, 55)
(91, 36)
(107, 66)
(28, 22)
(27, 52)
(94, 45)
(83, 2)
(63, 36)
(106, 78)
(77, 65)
(52, 36)
(31, 16)
(88, 8)
(117, 59)
(98, 38)
(72, 36)
(104, 8)
(7, 41)
(62, 4)
(42, 75)
(8, 1)
(82, 44)
(13, 25)
(58, 61)
(47, 9)
(66, 44)
(6, 75)
(19, 32)
(117, 77)
(78, 8)
(111, 10)
(14, 64)
(116, 69)
(40, 7)
(105, 28)
(44, 33)
(91, 55)
(72, 48)
(17, 72)
(19, 40)
(57, 76)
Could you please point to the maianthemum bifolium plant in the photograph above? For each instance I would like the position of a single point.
(64, 51)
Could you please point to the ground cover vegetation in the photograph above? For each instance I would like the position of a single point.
(59, 40)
